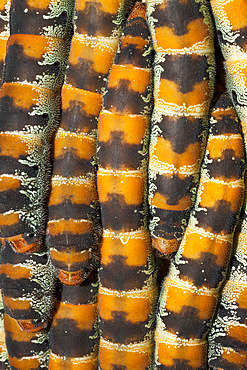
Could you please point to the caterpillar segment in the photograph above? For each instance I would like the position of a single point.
(231, 32)
(29, 114)
(74, 333)
(184, 69)
(190, 292)
(4, 362)
(26, 350)
(4, 34)
(127, 291)
(227, 339)
(73, 231)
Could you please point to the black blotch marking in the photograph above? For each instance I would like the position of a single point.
(117, 215)
(170, 224)
(116, 153)
(179, 364)
(19, 349)
(130, 332)
(177, 15)
(185, 70)
(83, 76)
(118, 275)
(69, 210)
(12, 118)
(199, 271)
(93, 21)
(181, 131)
(71, 165)
(174, 188)
(66, 339)
(123, 100)
(20, 67)
(65, 239)
(178, 323)
(227, 167)
(75, 118)
(218, 219)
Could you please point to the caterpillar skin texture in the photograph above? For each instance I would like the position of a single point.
(190, 291)
(26, 351)
(227, 339)
(74, 333)
(29, 112)
(184, 66)
(127, 291)
(73, 230)
(4, 362)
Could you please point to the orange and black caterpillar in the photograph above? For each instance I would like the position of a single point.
(127, 291)
(190, 292)
(182, 35)
(29, 112)
(74, 229)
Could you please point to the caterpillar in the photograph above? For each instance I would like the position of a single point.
(190, 292)
(36, 56)
(184, 70)
(74, 327)
(74, 229)
(227, 343)
(227, 339)
(128, 290)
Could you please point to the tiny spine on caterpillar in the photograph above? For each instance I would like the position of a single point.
(190, 292)
(35, 63)
(74, 229)
(184, 70)
(127, 289)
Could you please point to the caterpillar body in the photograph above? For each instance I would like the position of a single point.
(74, 334)
(4, 363)
(74, 230)
(182, 34)
(227, 341)
(127, 291)
(190, 292)
(35, 63)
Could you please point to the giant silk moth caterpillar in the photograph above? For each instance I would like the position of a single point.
(73, 229)
(182, 35)
(4, 34)
(127, 290)
(190, 291)
(37, 51)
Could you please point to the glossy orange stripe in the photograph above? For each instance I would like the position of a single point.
(16, 272)
(77, 192)
(17, 304)
(83, 146)
(69, 256)
(9, 182)
(100, 61)
(91, 101)
(110, 182)
(133, 127)
(79, 363)
(134, 246)
(75, 226)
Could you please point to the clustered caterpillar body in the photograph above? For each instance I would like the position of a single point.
(182, 35)
(190, 292)
(127, 291)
